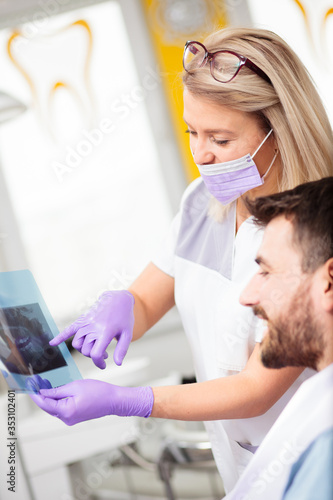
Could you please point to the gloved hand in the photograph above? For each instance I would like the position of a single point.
(36, 382)
(110, 317)
(87, 399)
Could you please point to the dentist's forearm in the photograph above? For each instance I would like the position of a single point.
(248, 394)
(212, 400)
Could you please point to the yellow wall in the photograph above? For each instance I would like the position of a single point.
(170, 25)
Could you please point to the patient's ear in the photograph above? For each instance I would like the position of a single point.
(328, 280)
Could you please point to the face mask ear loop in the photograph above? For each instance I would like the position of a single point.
(274, 157)
(265, 139)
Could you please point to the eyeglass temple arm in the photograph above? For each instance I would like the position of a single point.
(249, 64)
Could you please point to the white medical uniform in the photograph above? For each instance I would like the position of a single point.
(305, 418)
(211, 266)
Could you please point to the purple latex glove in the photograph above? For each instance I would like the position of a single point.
(36, 382)
(111, 317)
(87, 399)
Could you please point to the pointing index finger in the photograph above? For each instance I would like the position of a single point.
(64, 335)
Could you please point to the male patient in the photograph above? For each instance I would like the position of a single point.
(293, 292)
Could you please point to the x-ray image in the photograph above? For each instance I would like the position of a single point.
(26, 359)
(24, 344)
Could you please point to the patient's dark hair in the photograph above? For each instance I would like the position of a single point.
(309, 207)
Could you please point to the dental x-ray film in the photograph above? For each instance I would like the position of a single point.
(27, 361)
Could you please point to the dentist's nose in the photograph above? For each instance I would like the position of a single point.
(201, 153)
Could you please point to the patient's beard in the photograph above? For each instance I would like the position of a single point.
(296, 338)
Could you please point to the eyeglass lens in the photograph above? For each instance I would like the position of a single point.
(224, 64)
(193, 56)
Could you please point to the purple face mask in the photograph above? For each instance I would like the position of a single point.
(227, 181)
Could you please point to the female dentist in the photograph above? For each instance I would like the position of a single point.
(256, 126)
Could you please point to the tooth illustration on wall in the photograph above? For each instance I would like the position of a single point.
(324, 32)
(317, 30)
(65, 55)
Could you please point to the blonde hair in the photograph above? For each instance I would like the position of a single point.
(290, 105)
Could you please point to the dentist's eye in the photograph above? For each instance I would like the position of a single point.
(191, 132)
(220, 142)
